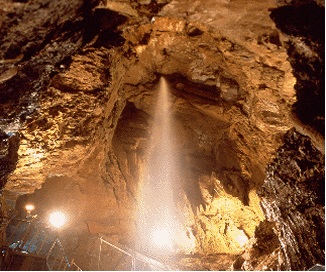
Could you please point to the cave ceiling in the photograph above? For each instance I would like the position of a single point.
(78, 84)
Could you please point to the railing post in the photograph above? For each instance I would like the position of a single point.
(63, 252)
(99, 254)
(133, 263)
(49, 253)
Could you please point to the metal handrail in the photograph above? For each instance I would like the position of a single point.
(75, 265)
(48, 255)
(121, 250)
(30, 232)
(64, 257)
(134, 256)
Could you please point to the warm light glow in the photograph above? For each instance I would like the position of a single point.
(162, 239)
(57, 219)
(242, 239)
(186, 241)
(29, 207)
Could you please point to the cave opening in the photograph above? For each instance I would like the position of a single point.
(213, 204)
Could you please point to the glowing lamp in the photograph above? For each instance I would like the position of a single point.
(57, 219)
(29, 208)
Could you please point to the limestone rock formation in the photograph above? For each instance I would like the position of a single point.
(293, 202)
(78, 85)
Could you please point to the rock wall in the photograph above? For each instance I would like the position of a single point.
(37, 39)
(299, 209)
(292, 196)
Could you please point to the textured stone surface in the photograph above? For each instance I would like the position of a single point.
(292, 198)
(299, 208)
(78, 82)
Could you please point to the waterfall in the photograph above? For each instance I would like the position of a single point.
(157, 215)
(160, 230)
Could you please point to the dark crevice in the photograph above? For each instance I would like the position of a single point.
(109, 39)
(88, 22)
(9, 144)
(302, 20)
(304, 23)
(103, 23)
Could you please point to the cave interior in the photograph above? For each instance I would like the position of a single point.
(162, 135)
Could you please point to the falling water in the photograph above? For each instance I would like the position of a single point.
(157, 221)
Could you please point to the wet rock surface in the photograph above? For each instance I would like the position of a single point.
(292, 198)
(299, 209)
(78, 81)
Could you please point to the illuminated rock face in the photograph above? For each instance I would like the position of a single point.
(79, 99)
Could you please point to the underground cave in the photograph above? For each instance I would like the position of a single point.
(162, 135)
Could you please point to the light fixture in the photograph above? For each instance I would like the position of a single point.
(57, 219)
(29, 208)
